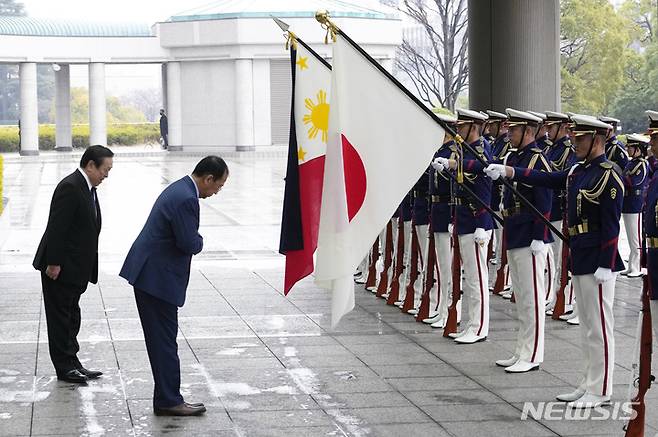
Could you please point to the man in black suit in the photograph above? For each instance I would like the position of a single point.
(164, 129)
(67, 258)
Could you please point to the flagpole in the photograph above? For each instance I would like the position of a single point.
(332, 30)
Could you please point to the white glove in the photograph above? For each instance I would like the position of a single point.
(538, 247)
(494, 171)
(451, 228)
(602, 275)
(440, 164)
(480, 236)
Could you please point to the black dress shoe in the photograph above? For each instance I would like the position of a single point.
(183, 409)
(73, 376)
(91, 374)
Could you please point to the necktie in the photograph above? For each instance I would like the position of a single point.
(93, 201)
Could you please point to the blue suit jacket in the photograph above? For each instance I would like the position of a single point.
(158, 262)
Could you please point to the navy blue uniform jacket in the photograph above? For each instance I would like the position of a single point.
(158, 262)
(595, 192)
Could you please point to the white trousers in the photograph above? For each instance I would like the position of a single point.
(475, 283)
(407, 260)
(527, 274)
(422, 232)
(633, 229)
(594, 302)
(391, 271)
(554, 266)
(444, 260)
(498, 243)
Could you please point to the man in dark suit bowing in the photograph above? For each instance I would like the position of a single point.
(158, 267)
(67, 258)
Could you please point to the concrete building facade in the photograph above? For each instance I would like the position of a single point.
(225, 71)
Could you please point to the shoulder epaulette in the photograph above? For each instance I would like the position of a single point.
(607, 165)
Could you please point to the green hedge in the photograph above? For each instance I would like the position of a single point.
(117, 134)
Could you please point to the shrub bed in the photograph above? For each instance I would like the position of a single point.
(124, 134)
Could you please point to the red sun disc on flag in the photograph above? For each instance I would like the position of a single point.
(355, 178)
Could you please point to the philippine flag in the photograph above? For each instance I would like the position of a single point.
(309, 119)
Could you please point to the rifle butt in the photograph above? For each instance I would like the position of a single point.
(635, 426)
(499, 285)
(394, 294)
(451, 322)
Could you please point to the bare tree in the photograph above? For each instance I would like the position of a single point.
(436, 61)
(148, 100)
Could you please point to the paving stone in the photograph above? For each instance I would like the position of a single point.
(264, 364)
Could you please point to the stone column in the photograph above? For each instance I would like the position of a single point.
(244, 105)
(514, 54)
(63, 139)
(29, 111)
(174, 107)
(163, 73)
(262, 103)
(97, 106)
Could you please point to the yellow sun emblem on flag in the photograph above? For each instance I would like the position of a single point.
(301, 63)
(318, 116)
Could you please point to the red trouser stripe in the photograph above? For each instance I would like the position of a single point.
(477, 260)
(536, 297)
(605, 342)
(550, 276)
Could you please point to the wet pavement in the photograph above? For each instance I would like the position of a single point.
(264, 364)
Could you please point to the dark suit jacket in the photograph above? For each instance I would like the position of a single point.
(71, 237)
(158, 262)
(164, 125)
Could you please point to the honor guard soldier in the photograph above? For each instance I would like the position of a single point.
(541, 139)
(526, 241)
(652, 132)
(595, 193)
(560, 156)
(405, 216)
(488, 137)
(651, 220)
(420, 218)
(474, 225)
(636, 178)
(615, 150)
(499, 150)
(441, 215)
(501, 146)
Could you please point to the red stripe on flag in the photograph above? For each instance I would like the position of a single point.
(299, 263)
(355, 178)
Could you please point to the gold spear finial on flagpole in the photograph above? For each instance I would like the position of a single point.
(460, 158)
(323, 18)
(291, 38)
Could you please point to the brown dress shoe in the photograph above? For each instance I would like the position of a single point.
(183, 409)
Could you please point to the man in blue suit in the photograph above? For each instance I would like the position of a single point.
(158, 267)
